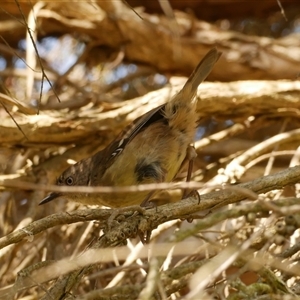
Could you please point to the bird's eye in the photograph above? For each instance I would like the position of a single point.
(69, 180)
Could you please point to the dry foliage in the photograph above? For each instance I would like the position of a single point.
(243, 242)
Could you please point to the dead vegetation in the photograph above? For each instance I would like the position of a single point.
(74, 75)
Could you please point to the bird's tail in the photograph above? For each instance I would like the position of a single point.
(180, 111)
(199, 74)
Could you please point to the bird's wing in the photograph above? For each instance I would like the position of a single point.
(128, 134)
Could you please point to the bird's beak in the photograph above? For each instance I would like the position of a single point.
(50, 197)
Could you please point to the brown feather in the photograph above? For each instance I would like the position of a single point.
(151, 150)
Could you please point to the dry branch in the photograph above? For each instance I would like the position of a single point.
(236, 100)
(258, 121)
(153, 217)
(142, 38)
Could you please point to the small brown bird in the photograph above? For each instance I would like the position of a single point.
(152, 149)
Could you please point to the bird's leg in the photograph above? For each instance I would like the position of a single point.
(138, 209)
(146, 203)
(119, 211)
(159, 179)
(190, 157)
